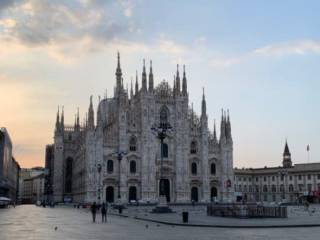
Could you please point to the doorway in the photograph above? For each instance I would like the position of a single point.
(110, 194)
(214, 193)
(164, 188)
(132, 193)
(194, 194)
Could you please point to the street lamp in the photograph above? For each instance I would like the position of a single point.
(120, 155)
(283, 179)
(99, 186)
(161, 133)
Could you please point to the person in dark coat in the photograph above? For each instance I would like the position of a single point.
(94, 211)
(104, 210)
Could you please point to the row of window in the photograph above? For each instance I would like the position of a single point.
(133, 147)
(133, 167)
(274, 177)
(273, 188)
(194, 168)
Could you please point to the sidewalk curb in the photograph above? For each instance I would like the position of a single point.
(216, 225)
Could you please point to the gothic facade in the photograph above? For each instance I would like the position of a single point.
(196, 164)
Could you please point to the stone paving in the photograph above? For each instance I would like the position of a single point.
(297, 215)
(31, 222)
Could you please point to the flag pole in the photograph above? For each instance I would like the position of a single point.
(308, 150)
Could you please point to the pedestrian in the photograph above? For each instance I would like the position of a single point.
(104, 210)
(94, 211)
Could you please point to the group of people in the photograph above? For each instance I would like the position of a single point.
(103, 208)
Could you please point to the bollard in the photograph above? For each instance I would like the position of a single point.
(185, 217)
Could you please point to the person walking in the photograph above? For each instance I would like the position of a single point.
(104, 209)
(94, 211)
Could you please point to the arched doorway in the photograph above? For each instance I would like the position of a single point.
(164, 188)
(132, 193)
(110, 194)
(214, 193)
(194, 194)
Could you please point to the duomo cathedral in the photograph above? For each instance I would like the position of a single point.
(114, 154)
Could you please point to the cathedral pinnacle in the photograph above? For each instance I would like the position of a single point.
(214, 129)
(91, 115)
(118, 73)
(144, 77)
(78, 118)
(204, 105)
(131, 89)
(57, 120)
(222, 128)
(184, 82)
(151, 78)
(228, 127)
(178, 80)
(137, 83)
(62, 118)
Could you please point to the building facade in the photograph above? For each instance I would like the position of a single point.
(288, 183)
(197, 165)
(9, 168)
(31, 188)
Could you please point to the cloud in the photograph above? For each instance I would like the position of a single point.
(302, 47)
(291, 48)
(4, 4)
(44, 22)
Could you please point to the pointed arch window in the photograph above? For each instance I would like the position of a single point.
(213, 169)
(165, 150)
(193, 147)
(164, 116)
(110, 166)
(133, 167)
(133, 144)
(194, 169)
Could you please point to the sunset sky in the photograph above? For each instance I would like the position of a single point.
(260, 59)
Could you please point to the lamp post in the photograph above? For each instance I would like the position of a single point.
(282, 176)
(161, 133)
(120, 155)
(99, 186)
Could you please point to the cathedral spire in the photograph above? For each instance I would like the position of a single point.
(75, 122)
(214, 131)
(91, 115)
(204, 105)
(192, 113)
(222, 128)
(184, 82)
(144, 77)
(78, 119)
(62, 119)
(57, 120)
(150, 78)
(178, 80)
(131, 89)
(119, 74)
(137, 83)
(228, 127)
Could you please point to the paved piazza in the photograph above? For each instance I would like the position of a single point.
(31, 222)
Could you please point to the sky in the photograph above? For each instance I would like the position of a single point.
(259, 59)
